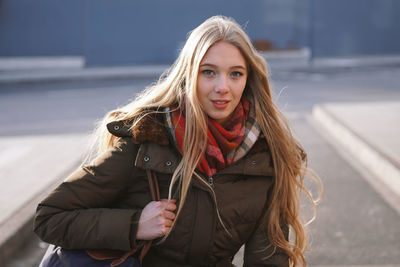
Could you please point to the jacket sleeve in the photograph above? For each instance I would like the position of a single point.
(78, 214)
(260, 252)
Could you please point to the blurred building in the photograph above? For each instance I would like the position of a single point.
(126, 32)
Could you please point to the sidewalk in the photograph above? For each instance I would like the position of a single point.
(367, 134)
(30, 167)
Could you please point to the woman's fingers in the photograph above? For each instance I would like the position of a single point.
(168, 205)
(168, 215)
(168, 223)
(156, 219)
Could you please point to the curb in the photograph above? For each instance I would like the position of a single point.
(32, 63)
(67, 69)
(15, 232)
(357, 62)
(84, 74)
(383, 167)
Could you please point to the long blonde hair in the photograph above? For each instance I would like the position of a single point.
(177, 86)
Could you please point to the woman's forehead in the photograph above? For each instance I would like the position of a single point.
(223, 53)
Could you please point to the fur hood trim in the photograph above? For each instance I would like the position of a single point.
(151, 128)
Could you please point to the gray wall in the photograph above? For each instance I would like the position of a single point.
(41, 27)
(118, 32)
(356, 27)
(152, 31)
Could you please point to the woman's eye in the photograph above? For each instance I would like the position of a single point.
(208, 72)
(236, 74)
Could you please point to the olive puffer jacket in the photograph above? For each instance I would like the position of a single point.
(98, 206)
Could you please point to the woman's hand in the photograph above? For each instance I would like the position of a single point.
(156, 219)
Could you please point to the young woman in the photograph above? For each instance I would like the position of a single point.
(228, 168)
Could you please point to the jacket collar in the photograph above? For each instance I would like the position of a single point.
(157, 127)
(149, 129)
(165, 159)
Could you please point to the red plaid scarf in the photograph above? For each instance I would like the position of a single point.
(222, 140)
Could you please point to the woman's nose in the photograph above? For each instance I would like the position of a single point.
(221, 86)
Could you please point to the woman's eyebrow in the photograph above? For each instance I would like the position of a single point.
(208, 65)
(231, 67)
(238, 67)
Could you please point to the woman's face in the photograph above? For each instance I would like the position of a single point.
(221, 80)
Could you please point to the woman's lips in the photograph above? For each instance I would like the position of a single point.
(220, 104)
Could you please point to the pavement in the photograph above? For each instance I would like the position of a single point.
(365, 134)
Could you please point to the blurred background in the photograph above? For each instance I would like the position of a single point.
(123, 32)
(334, 67)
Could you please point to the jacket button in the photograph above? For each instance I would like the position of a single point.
(168, 163)
(210, 180)
(116, 127)
(254, 162)
(146, 159)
